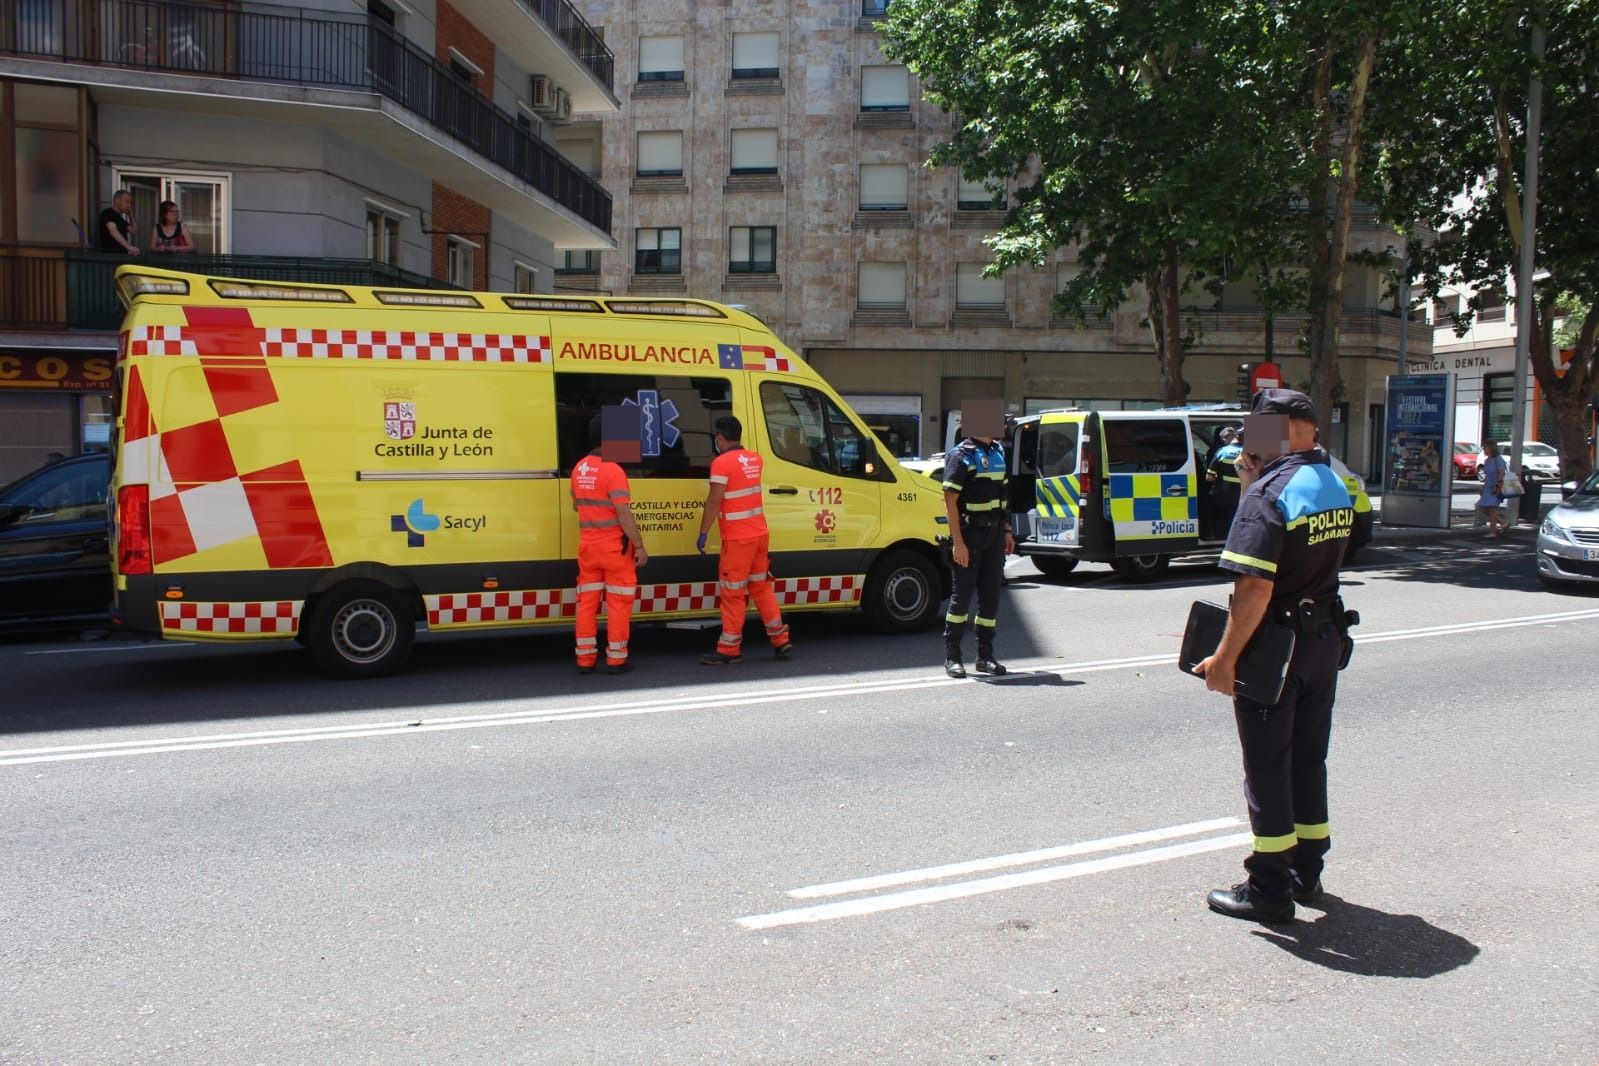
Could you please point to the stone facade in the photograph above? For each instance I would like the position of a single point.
(933, 348)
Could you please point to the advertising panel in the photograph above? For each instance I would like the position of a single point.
(1417, 473)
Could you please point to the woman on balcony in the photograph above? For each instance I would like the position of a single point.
(169, 234)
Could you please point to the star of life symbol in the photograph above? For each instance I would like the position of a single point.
(826, 521)
(399, 420)
(657, 421)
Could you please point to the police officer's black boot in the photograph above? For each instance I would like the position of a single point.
(952, 659)
(986, 663)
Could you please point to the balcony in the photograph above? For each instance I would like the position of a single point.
(47, 290)
(552, 39)
(358, 76)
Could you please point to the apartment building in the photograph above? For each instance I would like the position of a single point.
(396, 142)
(768, 154)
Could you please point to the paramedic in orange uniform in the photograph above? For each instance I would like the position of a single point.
(735, 501)
(608, 550)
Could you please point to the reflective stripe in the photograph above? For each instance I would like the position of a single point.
(730, 641)
(598, 586)
(606, 524)
(776, 630)
(756, 579)
(987, 623)
(619, 494)
(958, 619)
(588, 501)
(1249, 560)
(587, 643)
(753, 490)
(616, 647)
(1319, 831)
(991, 505)
(734, 586)
(622, 590)
(992, 475)
(1275, 845)
(1234, 480)
(734, 516)
(950, 486)
(718, 479)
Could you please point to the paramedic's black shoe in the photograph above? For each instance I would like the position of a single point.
(716, 658)
(1241, 901)
(954, 669)
(1311, 896)
(783, 651)
(589, 669)
(618, 668)
(986, 665)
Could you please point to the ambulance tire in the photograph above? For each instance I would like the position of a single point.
(1055, 565)
(362, 629)
(903, 593)
(1141, 568)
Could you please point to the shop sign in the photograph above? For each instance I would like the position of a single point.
(55, 370)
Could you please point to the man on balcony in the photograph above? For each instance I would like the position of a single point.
(116, 225)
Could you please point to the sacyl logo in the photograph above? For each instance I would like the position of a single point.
(413, 523)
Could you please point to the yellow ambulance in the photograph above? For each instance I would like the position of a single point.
(343, 465)
(1128, 488)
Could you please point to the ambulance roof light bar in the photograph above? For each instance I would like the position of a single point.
(680, 308)
(552, 303)
(241, 290)
(133, 285)
(426, 299)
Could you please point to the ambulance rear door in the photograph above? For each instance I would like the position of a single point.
(1151, 499)
(824, 478)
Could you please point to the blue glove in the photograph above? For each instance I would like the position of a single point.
(699, 542)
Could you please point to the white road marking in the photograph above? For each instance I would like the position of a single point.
(917, 897)
(835, 690)
(1020, 858)
(149, 646)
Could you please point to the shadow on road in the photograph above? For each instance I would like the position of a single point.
(1032, 677)
(1361, 940)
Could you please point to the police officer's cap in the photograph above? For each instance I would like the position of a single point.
(1288, 402)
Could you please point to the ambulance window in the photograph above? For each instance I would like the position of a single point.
(1057, 450)
(1145, 446)
(808, 429)
(676, 417)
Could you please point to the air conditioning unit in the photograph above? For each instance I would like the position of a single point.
(563, 106)
(542, 94)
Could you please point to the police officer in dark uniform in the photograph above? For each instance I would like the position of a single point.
(1221, 478)
(980, 536)
(1286, 545)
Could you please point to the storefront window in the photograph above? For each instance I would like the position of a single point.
(96, 418)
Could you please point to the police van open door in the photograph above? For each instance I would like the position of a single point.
(1118, 487)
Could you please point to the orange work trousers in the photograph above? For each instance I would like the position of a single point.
(605, 569)
(743, 570)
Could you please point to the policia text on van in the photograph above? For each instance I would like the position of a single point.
(336, 465)
(1128, 488)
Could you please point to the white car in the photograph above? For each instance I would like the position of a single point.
(1541, 462)
(932, 466)
(1568, 540)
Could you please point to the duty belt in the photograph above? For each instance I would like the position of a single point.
(980, 519)
(1307, 615)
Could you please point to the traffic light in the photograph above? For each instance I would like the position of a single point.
(1246, 375)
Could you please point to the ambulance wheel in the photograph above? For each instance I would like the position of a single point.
(361, 629)
(902, 593)
(1141, 567)
(1055, 565)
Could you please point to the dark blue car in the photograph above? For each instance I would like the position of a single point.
(54, 561)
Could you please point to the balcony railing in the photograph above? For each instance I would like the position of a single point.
(50, 289)
(573, 29)
(258, 42)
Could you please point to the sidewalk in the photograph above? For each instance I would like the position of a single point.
(1460, 525)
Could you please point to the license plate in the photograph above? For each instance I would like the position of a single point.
(1057, 530)
(1591, 554)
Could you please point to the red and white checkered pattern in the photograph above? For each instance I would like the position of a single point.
(281, 617)
(465, 608)
(801, 591)
(386, 344)
(160, 340)
(689, 596)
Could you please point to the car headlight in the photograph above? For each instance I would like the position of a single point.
(1553, 529)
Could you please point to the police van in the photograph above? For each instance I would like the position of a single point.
(344, 465)
(1128, 488)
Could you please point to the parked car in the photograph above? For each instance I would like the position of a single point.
(1541, 462)
(1568, 540)
(1465, 460)
(54, 561)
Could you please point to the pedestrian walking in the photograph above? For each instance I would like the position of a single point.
(1493, 489)
(609, 552)
(1286, 545)
(743, 570)
(980, 539)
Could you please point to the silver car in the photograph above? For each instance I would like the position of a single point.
(1568, 540)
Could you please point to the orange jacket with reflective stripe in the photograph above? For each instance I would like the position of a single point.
(738, 470)
(598, 489)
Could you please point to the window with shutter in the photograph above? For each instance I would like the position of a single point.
(882, 287)
(884, 187)
(885, 88)
(660, 58)
(755, 55)
(754, 152)
(660, 154)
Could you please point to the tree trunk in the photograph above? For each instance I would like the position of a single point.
(1570, 394)
(1165, 324)
(1326, 380)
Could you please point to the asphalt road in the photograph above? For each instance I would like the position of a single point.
(216, 856)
